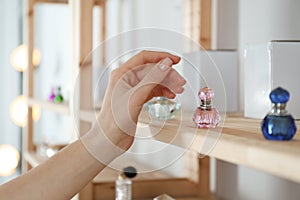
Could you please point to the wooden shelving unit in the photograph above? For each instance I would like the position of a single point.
(237, 140)
(102, 187)
(63, 109)
(145, 185)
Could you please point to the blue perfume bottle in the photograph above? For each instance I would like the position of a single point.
(279, 124)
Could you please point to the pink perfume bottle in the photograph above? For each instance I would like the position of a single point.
(52, 94)
(205, 115)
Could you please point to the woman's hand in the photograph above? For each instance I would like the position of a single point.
(146, 75)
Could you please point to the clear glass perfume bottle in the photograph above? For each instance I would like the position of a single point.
(279, 124)
(206, 116)
(124, 184)
(162, 108)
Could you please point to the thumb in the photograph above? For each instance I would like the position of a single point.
(155, 76)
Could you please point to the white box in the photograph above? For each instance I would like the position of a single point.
(268, 66)
(215, 69)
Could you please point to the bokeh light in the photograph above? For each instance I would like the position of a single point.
(19, 58)
(9, 159)
(19, 111)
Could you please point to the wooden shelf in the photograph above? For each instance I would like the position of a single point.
(108, 174)
(96, 2)
(61, 108)
(52, 1)
(240, 142)
(145, 185)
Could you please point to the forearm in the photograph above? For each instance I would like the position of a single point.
(60, 177)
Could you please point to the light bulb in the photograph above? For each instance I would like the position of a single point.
(19, 111)
(36, 112)
(9, 159)
(19, 57)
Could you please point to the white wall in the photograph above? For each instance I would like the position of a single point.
(262, 21)
(243, 183)
(254, 21)
(52, 24)
(10, 79)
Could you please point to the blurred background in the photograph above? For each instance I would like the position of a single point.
(235, 23)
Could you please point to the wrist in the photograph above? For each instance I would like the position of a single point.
(100, 146)
(116, 129)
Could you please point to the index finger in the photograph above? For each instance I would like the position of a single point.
(145, 57)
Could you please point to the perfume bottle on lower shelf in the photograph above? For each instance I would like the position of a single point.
(124, 184)
(162, 108)
(206, 116)
(279, 124)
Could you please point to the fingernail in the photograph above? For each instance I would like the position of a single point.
(165, 64)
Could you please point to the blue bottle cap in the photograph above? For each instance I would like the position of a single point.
(279, 95)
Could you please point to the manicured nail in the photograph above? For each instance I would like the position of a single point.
(165, 64)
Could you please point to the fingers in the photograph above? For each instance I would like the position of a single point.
(160, 90)
(174, 82)
(154, 77)
(145, 57)
(161, 80)
(168, 93)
